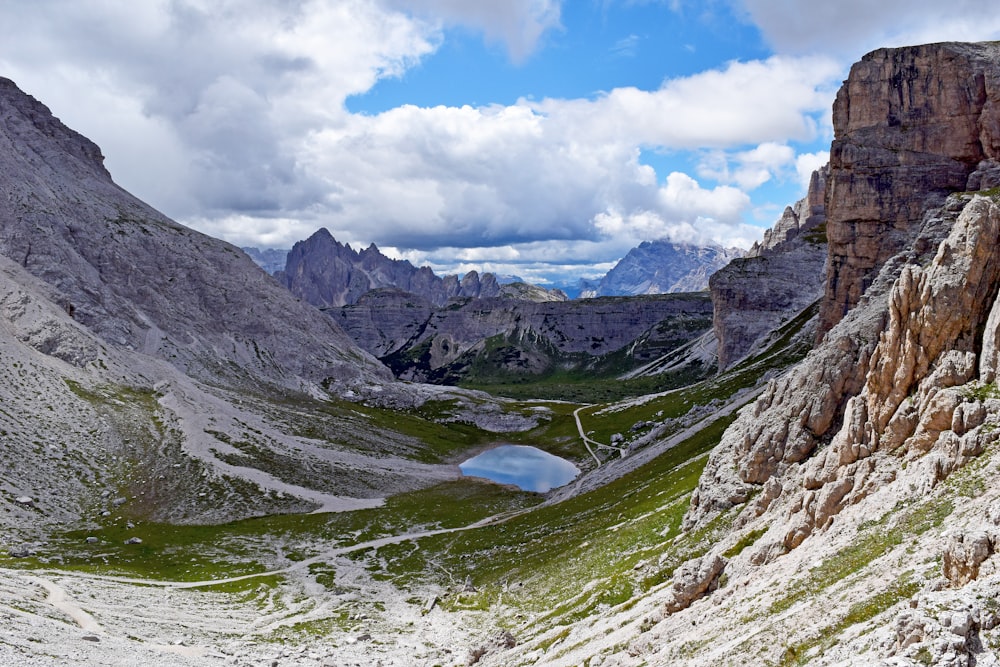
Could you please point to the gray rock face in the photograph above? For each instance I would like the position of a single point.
(662, 267)
(143, 282)
(125, 337)
(392, 322)
(778, 278)
(326, 273)
(806, 406)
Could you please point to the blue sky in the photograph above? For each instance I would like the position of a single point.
(541, 138)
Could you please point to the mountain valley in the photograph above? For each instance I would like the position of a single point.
(201, 466)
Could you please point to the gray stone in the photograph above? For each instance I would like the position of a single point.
(776, 280)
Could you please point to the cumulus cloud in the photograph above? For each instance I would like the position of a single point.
(748, 169)
(850, 28)
(807, 163)
(237, 84)
(230, 115)
(541, 171)
(518, 24)
(778, 99)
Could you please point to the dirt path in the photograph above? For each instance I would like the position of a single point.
(587, 442)
(58, 599)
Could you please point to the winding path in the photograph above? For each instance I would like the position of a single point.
(587, 442)
(298, 565)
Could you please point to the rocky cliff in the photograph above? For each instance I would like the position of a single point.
(778, 278)
(911, 125)
(424, 342)
(915, 310)
(662, 267)
(326, 273)
(900, 394)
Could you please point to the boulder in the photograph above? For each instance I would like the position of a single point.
(693, 580)
(964, 552)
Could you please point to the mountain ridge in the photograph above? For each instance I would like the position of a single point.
(327, 273)
(662, 267)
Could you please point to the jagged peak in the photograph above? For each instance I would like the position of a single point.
(15, 103)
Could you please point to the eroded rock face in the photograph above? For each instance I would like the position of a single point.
(424, 338)
(915, 279)
(929, 344)
(963, 555)
(911, 125)
(886, 378)
(779, 277)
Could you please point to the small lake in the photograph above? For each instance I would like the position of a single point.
(528, 468)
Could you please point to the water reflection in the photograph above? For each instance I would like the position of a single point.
(528, 468)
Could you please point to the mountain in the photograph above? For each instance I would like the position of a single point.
(661, 267)
(272, 260)
(502, 337)
(140, 281)
(144, 362)
(777, 279)
(326, 273)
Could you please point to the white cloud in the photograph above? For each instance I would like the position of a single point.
(502, 175)
(748, 169)
(519, 24)
(778, 99)
(230, 116)
(807, 163)
(626, 47)
(850, 28)
(232, 86)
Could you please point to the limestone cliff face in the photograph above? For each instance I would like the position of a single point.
(911, 125)
(896, 377)
(327, 273)
(778, 278)
(909, 385)
(424, 338)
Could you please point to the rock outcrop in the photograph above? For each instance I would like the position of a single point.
(911, 126)
(885, 379)
(328, 274)
(662, 267)
(965, 553)
(778, 278)
(693, 580)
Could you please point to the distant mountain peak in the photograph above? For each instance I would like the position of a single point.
(662, 267)
(325, 273)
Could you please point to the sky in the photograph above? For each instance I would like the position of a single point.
(537, 138)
